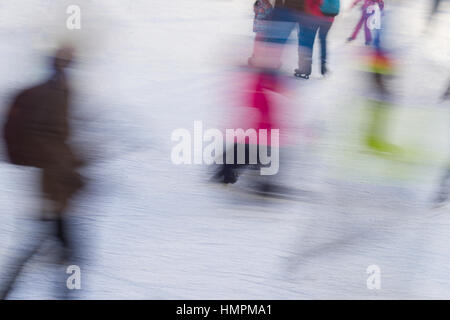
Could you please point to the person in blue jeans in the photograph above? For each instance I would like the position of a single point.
(312, 22)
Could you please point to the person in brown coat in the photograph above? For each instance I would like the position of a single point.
(36, 134)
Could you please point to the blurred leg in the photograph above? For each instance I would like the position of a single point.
(323, 33)
(444, 190)
(256, 46)
(307, 35)
(377, 39)
(357, 28)
(367, 33)
(446, 94)
(16, 268)
(59, 186)
(226, 172)
(435, 7)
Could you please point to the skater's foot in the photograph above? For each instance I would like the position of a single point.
(225, 178)
(350, 39)
(441, 205)
(271, 188)
(441, 200)
(231, 180)
(382, 146)
(446, 95)
(323, 69)
(267, 188)
(299, 74)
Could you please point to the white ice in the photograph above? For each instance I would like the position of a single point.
(153, 230)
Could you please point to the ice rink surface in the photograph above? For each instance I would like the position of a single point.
(150, 229)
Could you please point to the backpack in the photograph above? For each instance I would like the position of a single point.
(330, 8)
(16, 136)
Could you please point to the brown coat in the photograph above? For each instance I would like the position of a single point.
(46, 128)
(45, 139)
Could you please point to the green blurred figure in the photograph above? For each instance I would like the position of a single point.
(380, 68)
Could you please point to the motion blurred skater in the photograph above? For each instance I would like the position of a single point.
(368, 9)
(264, 81)
(36, 134)
(380, 67)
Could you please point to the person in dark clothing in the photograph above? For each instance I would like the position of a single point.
(245, 150)
(43, 143)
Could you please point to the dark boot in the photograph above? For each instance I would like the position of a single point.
(304, 64)
(299, 74)
(323, 68)
(226, 174)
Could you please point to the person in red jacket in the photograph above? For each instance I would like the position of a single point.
(313, 22)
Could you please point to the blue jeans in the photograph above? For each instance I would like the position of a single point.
(280, 26)
(309, 26)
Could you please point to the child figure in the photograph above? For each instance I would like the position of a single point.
(369, 8)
